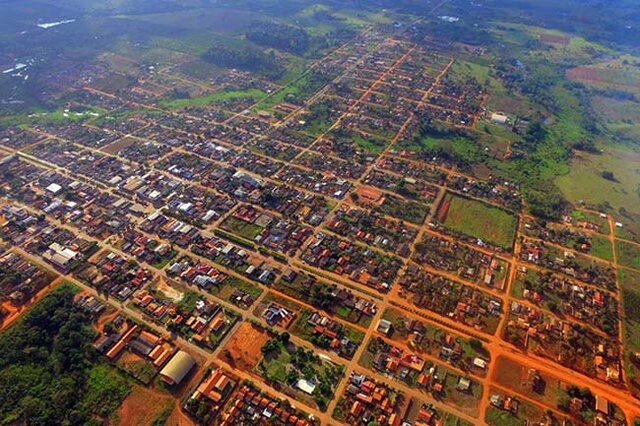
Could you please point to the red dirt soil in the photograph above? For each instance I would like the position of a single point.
(143, 406)
(178, 418)
(555, 39)
(584, 73)
(443, 210)
(243, 348)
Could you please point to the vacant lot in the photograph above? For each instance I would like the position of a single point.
(601, 247)
(138, 367)
(241, 228)
(630, 229)
(628, 254)
(630, 282)
(143, 406)
(515, 376)
(120, 144)
(479, 220)
(243, 349)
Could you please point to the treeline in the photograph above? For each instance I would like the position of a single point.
(280, 36)
(49, 372)
(247, 58)
(430, 128)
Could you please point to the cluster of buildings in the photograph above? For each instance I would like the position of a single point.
(568, 263)
(566, 296)
(465, 303)
(251, 406)
(61, 248)
(98, 213)
(333, 334)
(359, 264)
(159, 356)
(18, 225)
(193, 317)
(366, 400)
(112, 274)
(500, 192)
(20, 279)
(211, 395)
(464, 261)
(373, 229)
(583, 349)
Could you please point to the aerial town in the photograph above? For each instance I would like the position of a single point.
(232, 249)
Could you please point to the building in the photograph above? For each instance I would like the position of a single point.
(499, 118)
(215, 388)
(176, 369)
(384, 327)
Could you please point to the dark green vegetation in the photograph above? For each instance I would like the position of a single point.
(279, 36)
(283, 362)
(49, 372)
(247, 58)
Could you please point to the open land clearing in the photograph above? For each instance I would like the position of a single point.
(476, 219)
(585, 181)
(242, 351)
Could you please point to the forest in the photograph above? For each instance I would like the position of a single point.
(49, 372)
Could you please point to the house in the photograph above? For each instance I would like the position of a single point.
(464, 384)
(499, 118)
(306, 386)
(275, 314)
(384, 327)
(480, 363)
(215, 388)
(602, 405)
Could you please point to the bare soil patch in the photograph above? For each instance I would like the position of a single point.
(243, 348)
(585, 74)
(115, 147)
(555, 39)
(143, 406)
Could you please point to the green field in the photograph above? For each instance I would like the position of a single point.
(253, 94)
(601, 247)
(241, 228)
(585, 182)
(630, 284)
(628, 254)
(480, 220)
(630, 229)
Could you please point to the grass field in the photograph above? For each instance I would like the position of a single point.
(230, 283)
(630, 283)
(601, 247)
(480, 220)
(253, 94)
(276, 366)
(460, 147)
(628, 254)
(630, 229)
(241, 228)
(585, 182)
(527, 412)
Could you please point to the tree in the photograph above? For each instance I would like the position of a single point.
(608, 176)
(270, 347)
